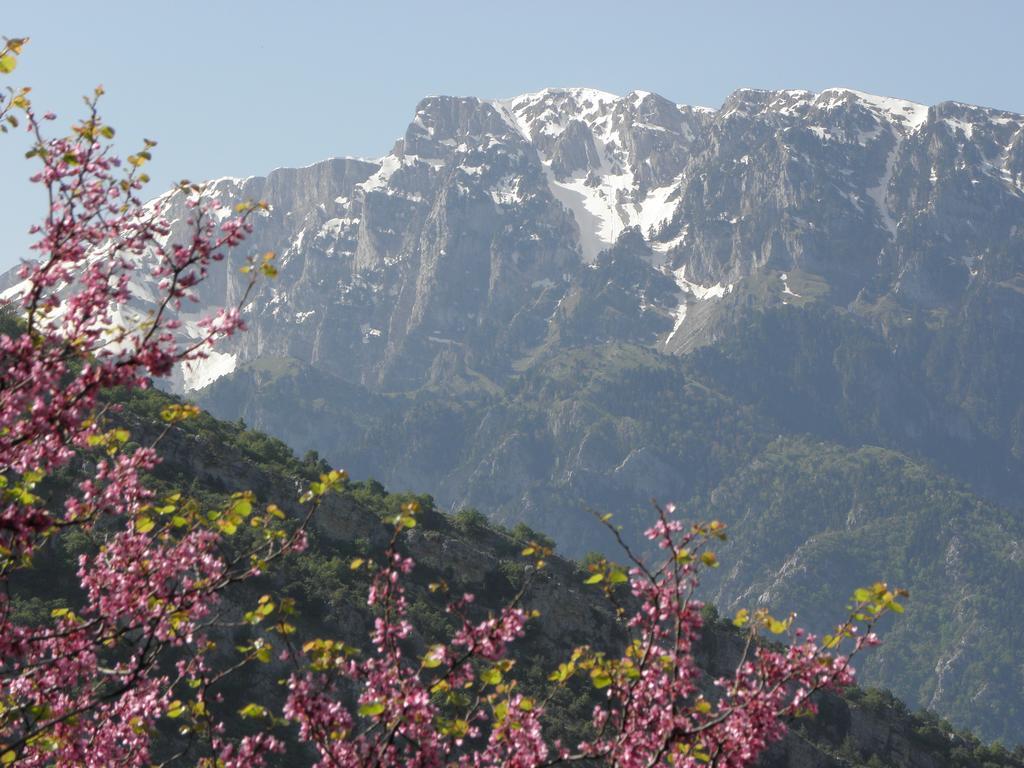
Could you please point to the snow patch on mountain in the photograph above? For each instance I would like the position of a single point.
(879, 193)
(658, 208)
(507, 191)
(379, 180)
(662, 247)
(698, 291)
(591, 209)
(690, 291)
(549, 111)
(784, 277)
(197, 374)
(908, 115)
(603, 210)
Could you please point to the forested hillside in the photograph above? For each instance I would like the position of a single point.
(213, 459)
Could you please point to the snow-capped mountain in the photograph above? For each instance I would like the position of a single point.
(471, 238)
(571, 300)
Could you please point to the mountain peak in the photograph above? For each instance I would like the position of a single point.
(909, 114)
(579, 94)
(906, 115)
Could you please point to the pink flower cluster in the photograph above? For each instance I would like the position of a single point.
(407, 725)
(455, 704)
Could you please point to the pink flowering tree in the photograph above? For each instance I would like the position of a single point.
(89, 687)
(136, 658)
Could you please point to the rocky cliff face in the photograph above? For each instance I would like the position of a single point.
(467, 241)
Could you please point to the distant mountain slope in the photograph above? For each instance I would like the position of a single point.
(607, 428)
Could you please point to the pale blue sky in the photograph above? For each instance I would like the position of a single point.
(232, 88)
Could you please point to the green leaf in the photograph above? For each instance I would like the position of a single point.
(617, 577)
(7, 64)
(597, 578)
(501, 711)
(253, 710)
(777, 627)
(371, 708)
(144, 525)
(176, 709)
(563, 673)
(491, 676)
(600, 678)
(433, 657)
